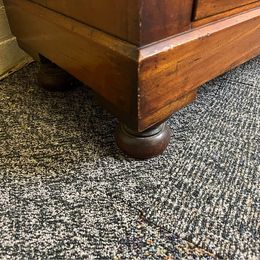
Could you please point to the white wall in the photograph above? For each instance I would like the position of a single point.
(11, 56)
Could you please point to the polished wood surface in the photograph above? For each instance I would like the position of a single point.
(119, 18)
(143, 145)
(141, 83)
(137, 21)
(99, 60)
(205, 8)
(173, 68)
(163, 18)
(225, 14)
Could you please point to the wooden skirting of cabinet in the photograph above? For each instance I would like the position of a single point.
(173, 68)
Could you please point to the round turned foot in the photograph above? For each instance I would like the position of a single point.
(53, 78)
(147, 144)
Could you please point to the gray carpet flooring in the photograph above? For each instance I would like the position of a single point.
(66, 192)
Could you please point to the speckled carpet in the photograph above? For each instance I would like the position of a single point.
(66, 192)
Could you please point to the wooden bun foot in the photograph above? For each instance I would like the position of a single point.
(53, 78)
(145, 145)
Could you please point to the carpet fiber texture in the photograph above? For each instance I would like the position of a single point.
(66, 191)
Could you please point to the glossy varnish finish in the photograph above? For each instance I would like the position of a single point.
(137, 21)
(119, 18)
(143, 85)
(189, 60)
(205, 8)
(97, 59)
(143, 145)
(163, 18)
(225, 14)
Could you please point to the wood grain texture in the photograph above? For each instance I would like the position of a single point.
(137, 21)
(225, 14)
(99, 60)
(119, 18)
(163, 18)
(175, 67)
(205, 8)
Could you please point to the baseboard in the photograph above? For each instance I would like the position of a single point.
(4, 26)
(11, 57)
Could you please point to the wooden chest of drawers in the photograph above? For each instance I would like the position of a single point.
(145, 59)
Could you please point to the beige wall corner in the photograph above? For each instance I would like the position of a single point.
(12, 57)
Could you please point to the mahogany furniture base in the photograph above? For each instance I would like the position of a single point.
(145, 59)
(144, 145)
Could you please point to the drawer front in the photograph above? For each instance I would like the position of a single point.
(206, 8)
